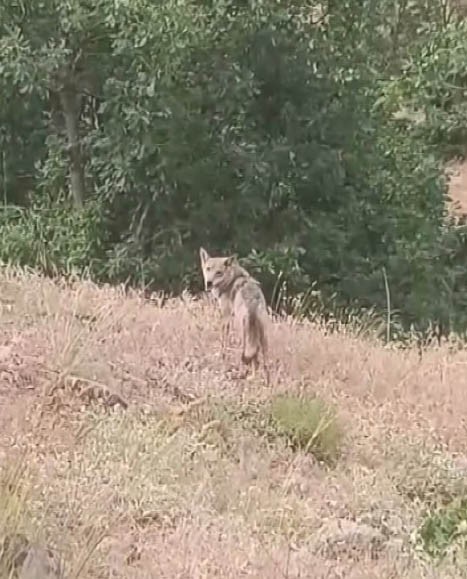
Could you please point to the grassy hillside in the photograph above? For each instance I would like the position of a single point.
(133, 450)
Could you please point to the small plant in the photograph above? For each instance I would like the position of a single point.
(307, 424)
(14, 496)
(444, 528)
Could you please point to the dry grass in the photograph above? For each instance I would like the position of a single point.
(189, 481)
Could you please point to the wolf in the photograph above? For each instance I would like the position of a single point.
(242, 301)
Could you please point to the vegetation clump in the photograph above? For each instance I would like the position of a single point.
(308, 424)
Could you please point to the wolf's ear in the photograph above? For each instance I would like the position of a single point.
(204, 255)
(230, 260)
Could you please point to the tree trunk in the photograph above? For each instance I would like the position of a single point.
(71, 111)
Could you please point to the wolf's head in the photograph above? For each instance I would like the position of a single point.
(215, 269)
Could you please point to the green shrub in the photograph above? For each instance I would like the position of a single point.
(307, 424)
(445, 528)
(55, 240)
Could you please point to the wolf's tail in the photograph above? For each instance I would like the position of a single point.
(254, 337)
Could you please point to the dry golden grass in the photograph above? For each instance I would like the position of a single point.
(186, 482)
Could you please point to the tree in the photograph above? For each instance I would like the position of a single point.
(259, 127)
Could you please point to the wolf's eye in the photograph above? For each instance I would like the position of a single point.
(218, 273)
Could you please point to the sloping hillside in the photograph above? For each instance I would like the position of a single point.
(143, 454)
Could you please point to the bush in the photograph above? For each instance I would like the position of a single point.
(55, 240)
(444, 529)
(307, 424)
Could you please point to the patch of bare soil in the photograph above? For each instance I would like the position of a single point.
(457, 172)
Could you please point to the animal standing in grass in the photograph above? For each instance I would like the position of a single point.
(240, 298)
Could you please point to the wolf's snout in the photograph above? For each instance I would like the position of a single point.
(208, 285)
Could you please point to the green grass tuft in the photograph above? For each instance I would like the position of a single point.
(309, 425)
(445, 529)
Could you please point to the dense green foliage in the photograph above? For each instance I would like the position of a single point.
(134, 131)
